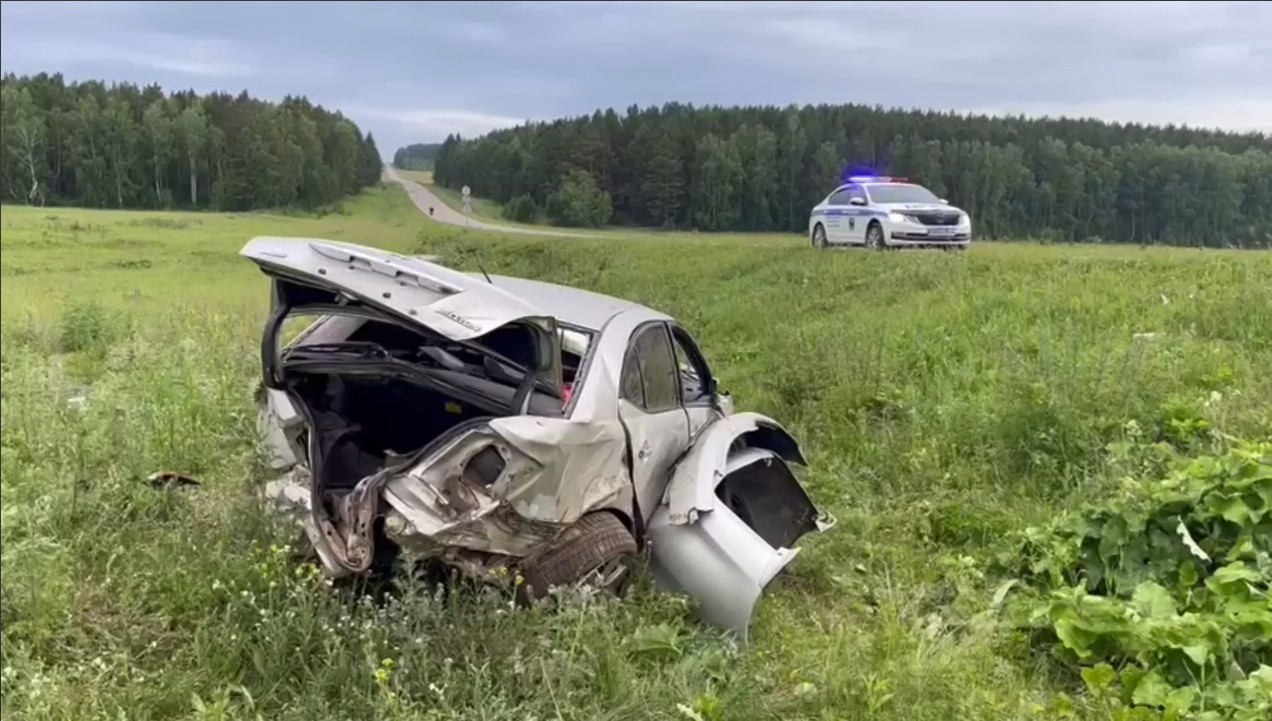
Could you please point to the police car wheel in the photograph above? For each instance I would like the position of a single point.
(819, 236)
(874, 237)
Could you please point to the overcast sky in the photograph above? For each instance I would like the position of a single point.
(417, 71)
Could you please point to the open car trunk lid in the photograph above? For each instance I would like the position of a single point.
(414, 290)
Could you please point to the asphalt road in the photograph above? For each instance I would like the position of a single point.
(442, 213)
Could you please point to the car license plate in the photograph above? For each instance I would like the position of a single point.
(941, 231)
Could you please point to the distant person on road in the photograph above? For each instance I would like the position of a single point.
(430, 211)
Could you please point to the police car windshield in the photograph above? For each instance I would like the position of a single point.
(900, 194)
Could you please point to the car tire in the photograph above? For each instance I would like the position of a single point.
(819, 236)
(874, 236)
(597, 550)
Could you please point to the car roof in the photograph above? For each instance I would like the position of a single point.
(573, 306)
(871, 183)
(907, 183)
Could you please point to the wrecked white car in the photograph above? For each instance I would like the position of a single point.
(495, 423)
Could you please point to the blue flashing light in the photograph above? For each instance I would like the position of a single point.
(875, 179)
(851, 172)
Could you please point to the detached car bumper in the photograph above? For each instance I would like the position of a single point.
(731, 518)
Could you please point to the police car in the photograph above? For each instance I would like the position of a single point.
(887, 212)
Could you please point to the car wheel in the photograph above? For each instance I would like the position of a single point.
(596, 551)
(819, 236)
(874, 236)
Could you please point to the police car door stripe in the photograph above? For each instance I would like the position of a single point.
(850, 211)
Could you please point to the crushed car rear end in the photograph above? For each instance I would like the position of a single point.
(425, 411)
(421, 407)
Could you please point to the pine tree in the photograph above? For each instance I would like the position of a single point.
(1080, 180)
(128, 147)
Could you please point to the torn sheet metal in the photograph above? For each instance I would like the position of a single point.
(556, 471)
(290, 495)
(698, 543)
(718, 561)
(279, 425)
(582, 466)
(433, 503)
(694, 480)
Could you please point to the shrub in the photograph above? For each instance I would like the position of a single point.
(579, 202)
(1168, 584)
(521, 209)
(84, 326)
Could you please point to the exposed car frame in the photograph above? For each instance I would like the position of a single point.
(585, 429)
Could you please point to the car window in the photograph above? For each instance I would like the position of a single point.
(692, 373)
(856, 192)
(575, 341)
(840, 197)
(650, 352)
(901, 193)
(630, 386)
(574, 346)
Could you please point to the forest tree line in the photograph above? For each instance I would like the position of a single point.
(123, 146)
(764, 168)
(417, 156)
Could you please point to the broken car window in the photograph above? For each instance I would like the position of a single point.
(658, 372)
(631, 387)
(487, 373)
(574, 345)
(692, 385)
(574, 341)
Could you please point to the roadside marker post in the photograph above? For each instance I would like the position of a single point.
(468, 208)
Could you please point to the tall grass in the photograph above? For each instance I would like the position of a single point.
(944, 401)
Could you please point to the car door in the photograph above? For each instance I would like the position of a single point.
(650, 410)
(696, 384)
(858, 216)
(836, 215)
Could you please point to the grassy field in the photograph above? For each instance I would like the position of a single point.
(946, 402)
(491, 211)
(420, 176)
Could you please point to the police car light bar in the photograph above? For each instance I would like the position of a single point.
(876, 179)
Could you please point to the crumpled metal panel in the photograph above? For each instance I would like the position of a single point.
(694, 480)
(701, 547)
(718, 561)
(290, 495)
(556, 472)
(279, 424)
(582, 466)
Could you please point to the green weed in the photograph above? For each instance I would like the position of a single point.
(1162, 593)
(85, 326)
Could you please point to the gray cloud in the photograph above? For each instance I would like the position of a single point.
(417, 71)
